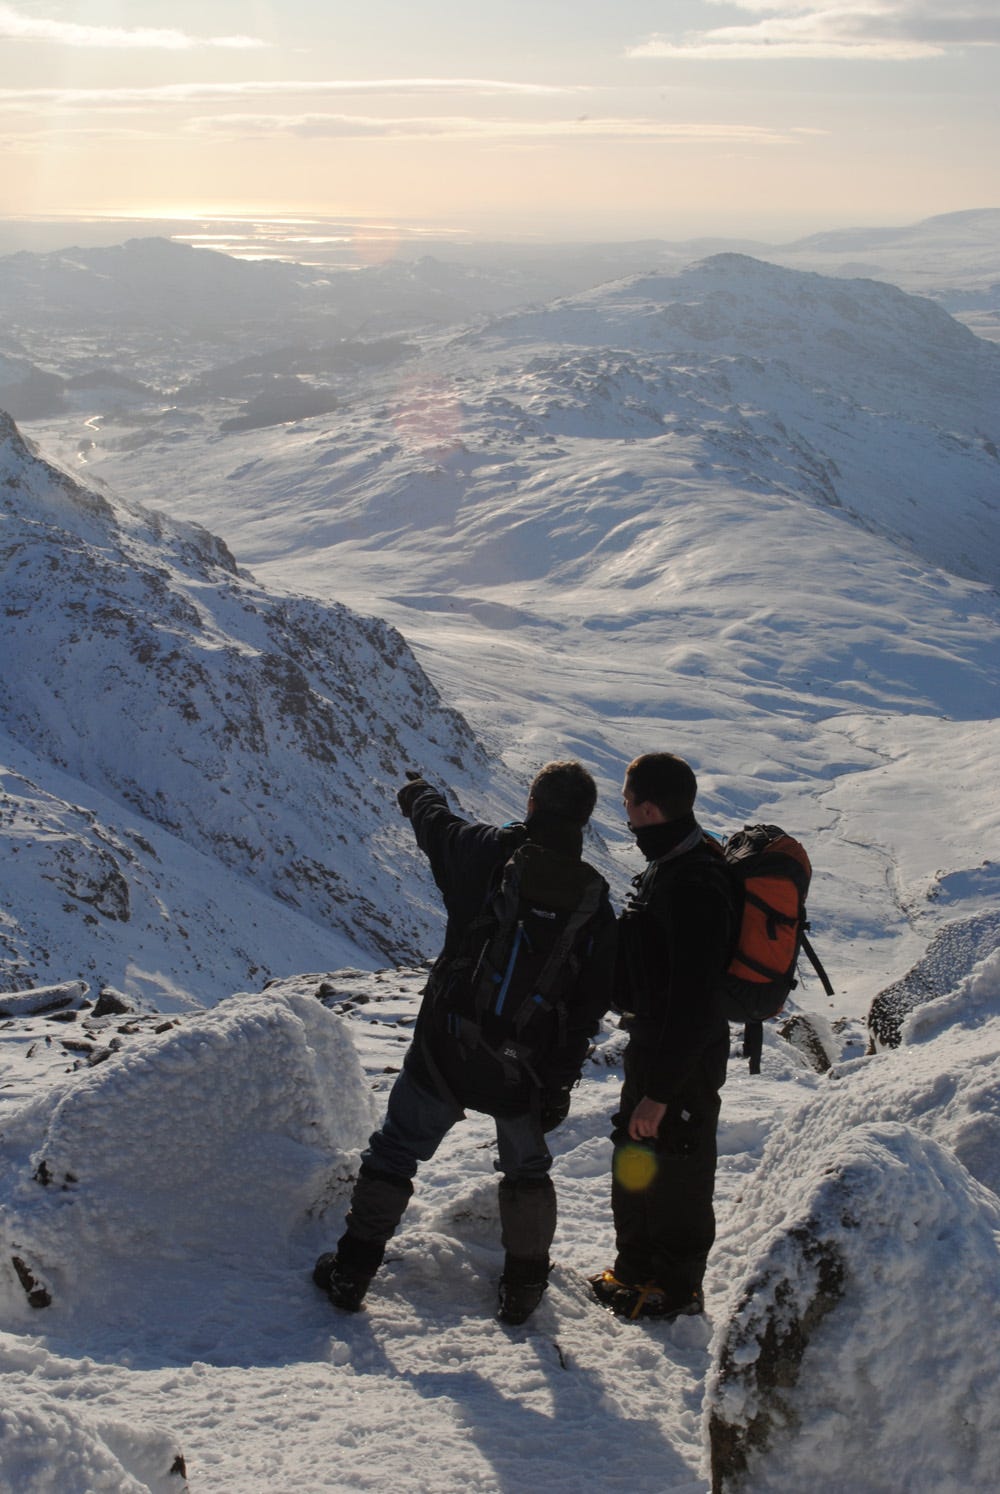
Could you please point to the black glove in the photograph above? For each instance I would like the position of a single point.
(555, 1108)
(410, 791)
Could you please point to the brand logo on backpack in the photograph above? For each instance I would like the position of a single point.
(505, 991)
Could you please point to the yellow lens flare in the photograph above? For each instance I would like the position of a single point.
(635, 1167)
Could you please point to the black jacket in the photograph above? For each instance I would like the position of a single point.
(465, 858)
(674, 939)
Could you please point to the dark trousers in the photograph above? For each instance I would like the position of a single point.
(417, 1121)
(661, 1191)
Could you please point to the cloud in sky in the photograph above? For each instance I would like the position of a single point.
(18, 27)
(207, 93)
(347, 126)
(851, 30)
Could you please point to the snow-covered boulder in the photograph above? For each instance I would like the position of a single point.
(65, 994)
(209, 1141)
(47, 1446)
(849, 1349)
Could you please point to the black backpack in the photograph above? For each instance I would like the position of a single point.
(504, 992)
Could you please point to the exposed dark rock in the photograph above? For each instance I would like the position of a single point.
(111, 1003)
(37, 1293)
(950, 956)
(802, 1031)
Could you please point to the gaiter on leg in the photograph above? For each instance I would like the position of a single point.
(527, 1218)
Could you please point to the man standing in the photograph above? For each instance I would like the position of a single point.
(673, 942)
(516, 1060)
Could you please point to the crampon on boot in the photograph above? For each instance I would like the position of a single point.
(650, 1300)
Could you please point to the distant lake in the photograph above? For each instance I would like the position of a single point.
(341, 243)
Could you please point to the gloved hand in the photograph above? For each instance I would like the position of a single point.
(415, 785)
(555, 1108)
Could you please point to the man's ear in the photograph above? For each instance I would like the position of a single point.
(531, 804)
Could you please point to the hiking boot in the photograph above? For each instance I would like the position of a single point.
(606, 1287)
(345, 1289)
(519, 1300)
(652, 1301)
(521, 1288)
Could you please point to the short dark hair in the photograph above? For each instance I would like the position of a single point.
(662, 779)
(565, 789)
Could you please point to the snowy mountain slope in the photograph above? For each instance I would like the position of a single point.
(90, 887)
(953, 258)
(851, 393)
(867, 391)
(264, 732)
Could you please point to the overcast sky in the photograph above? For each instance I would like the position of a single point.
(612, 118)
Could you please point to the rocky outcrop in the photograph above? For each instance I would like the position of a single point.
(950, 956)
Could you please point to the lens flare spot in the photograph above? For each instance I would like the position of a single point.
(635, 1167)
(428, 417)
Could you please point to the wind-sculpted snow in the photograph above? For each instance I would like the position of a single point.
(50, 1446)
(263, 731)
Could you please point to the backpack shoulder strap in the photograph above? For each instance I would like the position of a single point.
(814, 961)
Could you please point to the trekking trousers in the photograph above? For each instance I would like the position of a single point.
(416, 1122)
(661, 1193)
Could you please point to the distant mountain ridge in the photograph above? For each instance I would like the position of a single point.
(158, 282)
(973, 226)
(264, 733)
(851, 393)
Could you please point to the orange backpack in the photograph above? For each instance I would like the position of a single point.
(770, 873)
